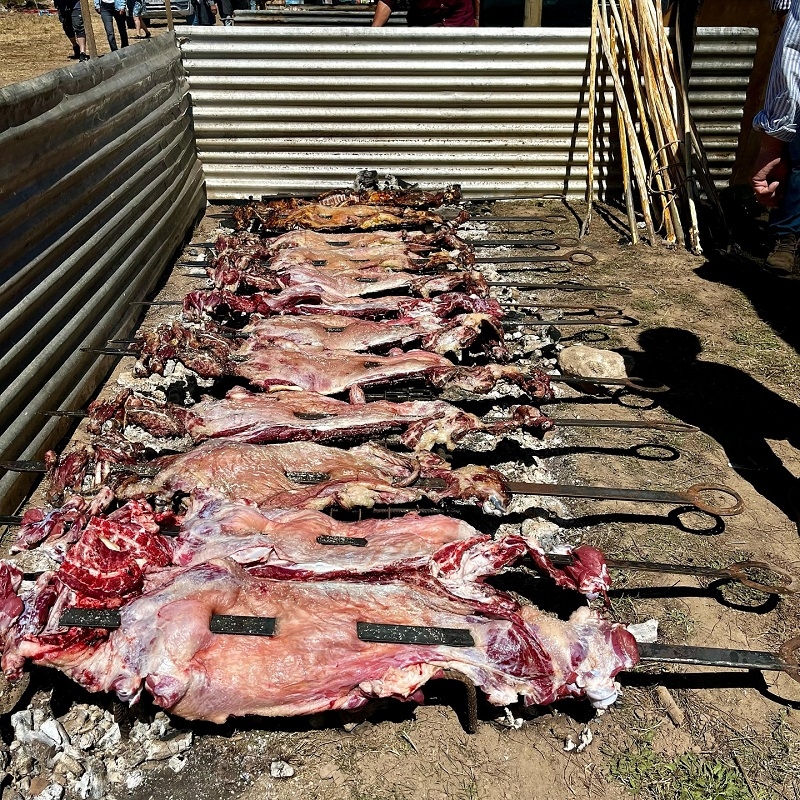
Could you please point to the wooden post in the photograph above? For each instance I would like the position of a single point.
(533, 13)
(86, 12)
(170, 20)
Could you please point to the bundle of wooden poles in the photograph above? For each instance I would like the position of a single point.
(663, 165)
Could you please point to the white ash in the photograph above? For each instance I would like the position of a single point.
(35, 561)
(83, 753)
(135, 434)
(157, 386)
(280, 769)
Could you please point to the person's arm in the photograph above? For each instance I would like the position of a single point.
(777, 120)
(382, 13)
(476, 10)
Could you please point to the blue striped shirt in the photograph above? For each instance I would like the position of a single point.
(781, 109)
(781, 5)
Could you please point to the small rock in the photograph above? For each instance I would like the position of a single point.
(53, 792)
(162, 749)
(280, 769)
(177, 763)
(55, 732)
(589, 362)
(111, 738)
(39, 784)
(11, 693)
(134, 779)
(92, 785)
(66, 764)
(639, 712)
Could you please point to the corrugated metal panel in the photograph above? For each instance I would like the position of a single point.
(99, 185)
(299, 15)
(500, 110)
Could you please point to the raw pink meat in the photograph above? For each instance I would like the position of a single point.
(315, 661)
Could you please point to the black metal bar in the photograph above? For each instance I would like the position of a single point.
(89, 618)
(561, 286)
(536, 244)
(582, 257)
(714, 657)
(631, 383)
(414, 634)
(672, 427)
(234, 625)
(352, 541)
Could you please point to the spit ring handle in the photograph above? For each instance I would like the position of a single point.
(695, 497)
(738, 572)
(788, 653)
(583, 257)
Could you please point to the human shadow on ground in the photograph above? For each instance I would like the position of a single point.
(775, 300)
(726, 403)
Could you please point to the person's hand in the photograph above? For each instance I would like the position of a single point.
(770, 172)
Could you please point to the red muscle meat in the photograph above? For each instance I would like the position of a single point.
(272, 476)
(315, 661)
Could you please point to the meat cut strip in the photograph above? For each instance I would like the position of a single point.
(285, 416)
(276, 476)
(474, 333)
(312, 300)
(260, 217)
(411, 242)
(389, 200)
(279, 363)
(350, 282)
(309, 545)
(315, 661)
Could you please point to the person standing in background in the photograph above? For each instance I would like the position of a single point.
(71, 19)
(136, 8)
(432, 13)
(775, 127)
(110, 12)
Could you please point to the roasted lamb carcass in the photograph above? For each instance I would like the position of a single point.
(310, 545)
(349, 282)
(309, 475)
(286, 416)
(261, 217)
(311, 300)
(315, 660)
(407, 198)
(411, 242)
(230, 271)
(278, 363)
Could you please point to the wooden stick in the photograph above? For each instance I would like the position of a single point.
(665, 137)
(592, 98)
(623, 145)
(86, 13)
(691, 189)
(170, 20)
(630, 37)
(639, 170)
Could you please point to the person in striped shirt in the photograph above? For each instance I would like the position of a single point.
(776, 173)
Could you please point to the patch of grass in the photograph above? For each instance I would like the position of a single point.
(687, 777)
(676, 619)
(755, 337)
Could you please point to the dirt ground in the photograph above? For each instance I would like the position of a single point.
(724, 338)
(31, 44)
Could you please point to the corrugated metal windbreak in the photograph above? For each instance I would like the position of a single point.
(99, 185)
(501, 111)
(314, 15)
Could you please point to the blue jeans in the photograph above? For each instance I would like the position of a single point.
(786, 218)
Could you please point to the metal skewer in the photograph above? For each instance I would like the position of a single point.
(691, 496)
(735, 572)
(582, 257)
(562, 286)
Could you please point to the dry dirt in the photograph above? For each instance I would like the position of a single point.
(740, 736)
(31, 44)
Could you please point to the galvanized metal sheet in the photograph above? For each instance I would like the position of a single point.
(99, 185)
(500, 110)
